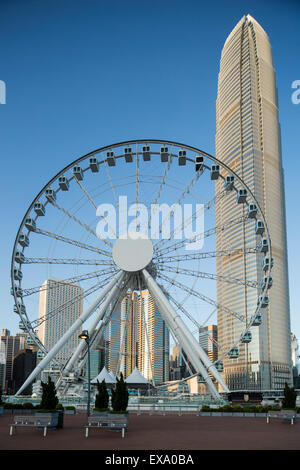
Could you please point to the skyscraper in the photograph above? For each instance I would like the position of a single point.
(248, 140)
(60, 305)
(137, 336)
(9, 348)
(208, 337)
(153, 341)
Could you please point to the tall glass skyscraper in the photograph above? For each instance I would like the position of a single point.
(248, 140)
(137, 336)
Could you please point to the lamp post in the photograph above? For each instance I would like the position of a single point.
(85, 335)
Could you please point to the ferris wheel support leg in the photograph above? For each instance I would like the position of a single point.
(176, 325)
(76, 325)
(99, 317)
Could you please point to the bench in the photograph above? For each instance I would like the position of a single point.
(30, 421)
(114, 423)
(287, 415)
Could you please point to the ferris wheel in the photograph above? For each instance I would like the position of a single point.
(134, 216)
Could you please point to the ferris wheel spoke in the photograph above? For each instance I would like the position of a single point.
(193, 349)
(74, 279)
(161, 186)
(179, 201)
(72, 242)
(203, 275)
(193, 320)
(79, 222)
(61, 308)
(96, 332)
(74, 327)
(207, 233)
(111, 183)
(75, 261)
(201, 296)
(95, 206)
(207, 254)
(121, 364)
(186, 222)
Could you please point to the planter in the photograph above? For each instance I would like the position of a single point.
(101, 413)
(249, 415)
(216, 413)
(70, 412)
(1, 410)
(53, 417)
(120, 415)
(205, 413)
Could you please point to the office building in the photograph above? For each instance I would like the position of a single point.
(60, 305)
(153, 341)
(248, 140)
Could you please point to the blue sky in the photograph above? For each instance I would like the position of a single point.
(83, 74)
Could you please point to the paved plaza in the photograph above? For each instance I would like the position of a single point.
(157, 432)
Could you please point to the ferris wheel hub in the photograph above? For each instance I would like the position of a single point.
(132, 252)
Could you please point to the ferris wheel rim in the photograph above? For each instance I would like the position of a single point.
(138, 142)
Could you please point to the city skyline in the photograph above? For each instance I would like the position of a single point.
(293, 278)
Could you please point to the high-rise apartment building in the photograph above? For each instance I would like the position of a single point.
(248, 140)
(60, 305)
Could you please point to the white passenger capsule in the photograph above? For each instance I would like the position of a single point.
(94, 165)
(215, 172)
(199, 163)
(30, 224)
(39, 209)
(128, 155)
(19, 257)
(50, 195)
(23, 240)
(110, 158)
(78, 173)
(181, 157)
(146, 153)
(241, 196)
(229, 182)
(63, 183)
(164, 154)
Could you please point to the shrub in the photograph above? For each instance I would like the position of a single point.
(70, 408)
(102, 397)
(237, 409)
(289, 401)
(49, 399)
(120, 396)
(205, 408)
(28, 406)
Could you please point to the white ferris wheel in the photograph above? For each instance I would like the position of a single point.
(165, 252)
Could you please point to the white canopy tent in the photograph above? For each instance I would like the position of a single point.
(104, 375)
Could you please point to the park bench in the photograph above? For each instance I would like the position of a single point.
(30, 421)
(287, 415)
(117, 423)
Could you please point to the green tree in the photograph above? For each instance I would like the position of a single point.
(102, 397)
(120, 395)
(289, 401)
(49, 399)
